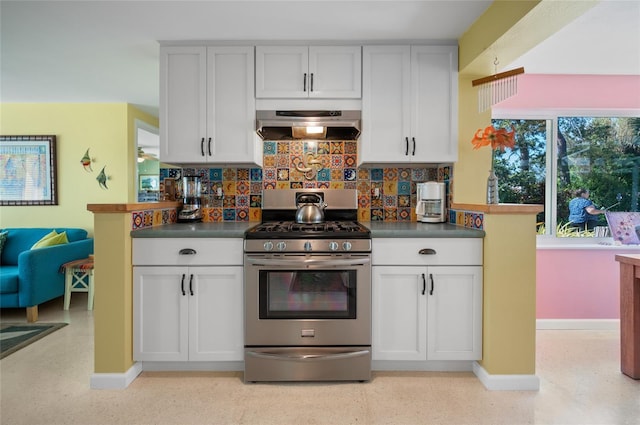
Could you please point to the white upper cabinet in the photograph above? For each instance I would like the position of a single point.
(207, 105)
(322, 72)
(409, 104)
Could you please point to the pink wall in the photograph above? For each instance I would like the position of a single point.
(574, 91)
(578, 284)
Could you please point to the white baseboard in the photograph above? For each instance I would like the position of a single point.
(115, 381)
(506, 382)
(579, 324)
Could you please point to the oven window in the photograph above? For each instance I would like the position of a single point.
(308, 294)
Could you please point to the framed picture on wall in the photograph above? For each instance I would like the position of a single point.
(148, 182)
(28, 170)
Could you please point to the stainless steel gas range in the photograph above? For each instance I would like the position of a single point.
(308, 292)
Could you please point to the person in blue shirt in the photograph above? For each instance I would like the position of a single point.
(582, 211)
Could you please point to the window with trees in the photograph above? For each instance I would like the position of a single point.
(555, 156)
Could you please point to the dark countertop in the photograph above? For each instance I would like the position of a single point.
(406, 229)
(225, 229)
(379, 229)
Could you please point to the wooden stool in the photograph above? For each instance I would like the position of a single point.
(78, 277)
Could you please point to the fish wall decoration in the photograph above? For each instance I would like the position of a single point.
(86, 162)
(102, 178)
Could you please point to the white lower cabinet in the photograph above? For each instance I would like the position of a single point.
(431, 312)
(187, 313)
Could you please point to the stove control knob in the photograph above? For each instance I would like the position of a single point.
(281, 246)
(333, 246)
(268, 246)
(307, 246)
(346, 246)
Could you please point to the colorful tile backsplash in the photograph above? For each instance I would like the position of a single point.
(298, 164)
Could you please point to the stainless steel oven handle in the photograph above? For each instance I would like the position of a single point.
(307, 357)
(279, 262)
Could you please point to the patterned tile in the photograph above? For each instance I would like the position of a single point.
(390, 201)
(283, 148)
(256, 174)
(350, 147)
(243, 187)
(215, 174)
(390, 214)
(283, 174)
(337, 148)
(350, 174)
(137, 219)
(404, 188)
(228, 174)
(229, 214)
(242, 174)
(363, 174)
(390, 174)
(269, 148)
(255, 201)
(323, 148)
(324, 175)
(404, 174)
(242, 214)
(242, 201)
(377, 214)
(269, 161)
(377, 175)
(256, 188)
(404, 214)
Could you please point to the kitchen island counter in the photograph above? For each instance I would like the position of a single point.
(405, 229)
(225, 229)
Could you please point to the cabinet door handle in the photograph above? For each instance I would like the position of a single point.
(406, 146)
(182, 286)
(202, 146)
(413, 153)
(424, 284)
(209, 146)
(304, 82)
(311, 83)
(187, 251)
(431, 279)
(427, 251)
(191, 285)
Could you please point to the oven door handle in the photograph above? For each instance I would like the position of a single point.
(306, 357)
(309, 261)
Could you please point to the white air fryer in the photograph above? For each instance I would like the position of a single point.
(431, 202)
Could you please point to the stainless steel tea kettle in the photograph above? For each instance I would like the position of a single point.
(310, 208)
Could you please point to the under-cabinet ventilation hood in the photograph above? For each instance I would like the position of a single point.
(287, 125)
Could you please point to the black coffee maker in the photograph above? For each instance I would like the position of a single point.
(191, 200)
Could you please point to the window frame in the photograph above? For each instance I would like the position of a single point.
(550, 237)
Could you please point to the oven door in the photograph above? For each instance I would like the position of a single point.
(307, 300)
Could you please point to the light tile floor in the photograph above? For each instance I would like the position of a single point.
(48, 383)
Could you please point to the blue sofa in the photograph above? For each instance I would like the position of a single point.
(28, 276)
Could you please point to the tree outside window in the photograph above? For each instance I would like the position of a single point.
(601, 154)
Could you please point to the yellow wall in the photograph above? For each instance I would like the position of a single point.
(509, 319)
(113, 315)
(106, 129)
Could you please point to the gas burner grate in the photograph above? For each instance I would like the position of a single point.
(291, 229)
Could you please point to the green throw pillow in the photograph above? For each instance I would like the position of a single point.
(51, 239)
(3, 239)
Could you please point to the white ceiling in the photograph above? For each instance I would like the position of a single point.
(107, 51)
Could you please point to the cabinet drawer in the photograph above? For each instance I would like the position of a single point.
(437, 251)
(208, 252)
